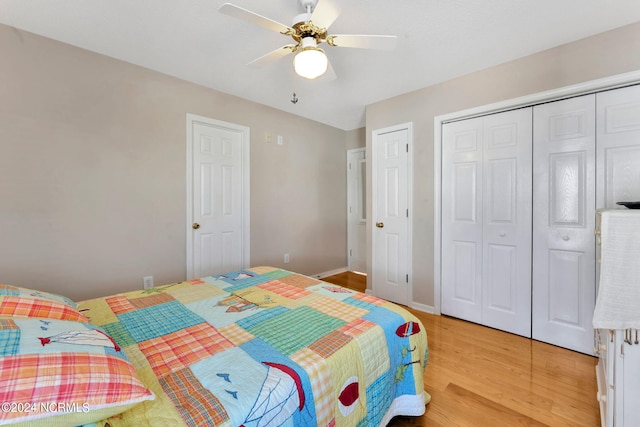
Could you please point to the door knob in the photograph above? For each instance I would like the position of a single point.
(380, 224)
(195, 225)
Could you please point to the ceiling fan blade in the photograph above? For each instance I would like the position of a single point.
(324, 14)
(364, 41)
(254, 18)
(272, 56)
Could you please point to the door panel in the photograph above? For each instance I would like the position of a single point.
(391, 181)
(393, 263)
(506, 232)
(464, 286)
(464, 182)
(502, 176)
(500, 277)
(567, 191)
(462, 219)
(564, 220)
(566, 273)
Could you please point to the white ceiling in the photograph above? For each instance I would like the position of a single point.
(437, 40)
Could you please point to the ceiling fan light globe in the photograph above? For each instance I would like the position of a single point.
(310, 62)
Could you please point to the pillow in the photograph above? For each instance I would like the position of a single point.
(58, 372)
(16, 301)
(30, 293)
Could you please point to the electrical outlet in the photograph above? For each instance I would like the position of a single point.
(286, 258)
(147, 282)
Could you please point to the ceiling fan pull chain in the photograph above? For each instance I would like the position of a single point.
(294, 97)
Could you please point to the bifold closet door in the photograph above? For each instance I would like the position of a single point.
(563, 223)
(486, 220)
(462, 219)
(506, 234)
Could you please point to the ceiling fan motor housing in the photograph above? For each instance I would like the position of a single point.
(299, 19)
(308, 6)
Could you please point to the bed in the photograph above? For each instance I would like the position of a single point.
(257, 347)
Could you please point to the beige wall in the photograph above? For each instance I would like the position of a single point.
(356, 138)
(603, 55)
(92, 173)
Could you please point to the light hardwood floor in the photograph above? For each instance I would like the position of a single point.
(478, 376)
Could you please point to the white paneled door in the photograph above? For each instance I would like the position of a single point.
(390, 229)
(356, 210)
(564, 221)
(218, 205)
(462, 199)
(486, 220)
(506, 231)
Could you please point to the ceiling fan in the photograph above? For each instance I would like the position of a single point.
(309, 29)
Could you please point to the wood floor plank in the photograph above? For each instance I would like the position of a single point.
(478, 410)
(478, 376)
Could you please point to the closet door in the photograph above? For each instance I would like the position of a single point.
(486, 220)
(462, 219)
(506, 272)
(618, 116)
(563, 223)
(618, 179)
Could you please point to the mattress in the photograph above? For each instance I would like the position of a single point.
(265, 347)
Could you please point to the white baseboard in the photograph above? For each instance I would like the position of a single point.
(429, 309)
(329, 273)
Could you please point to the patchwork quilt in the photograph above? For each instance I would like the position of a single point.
(266, 347)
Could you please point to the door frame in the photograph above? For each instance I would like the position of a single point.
(244, 132)
(350, 198)
(585, 88)
(373, 169)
